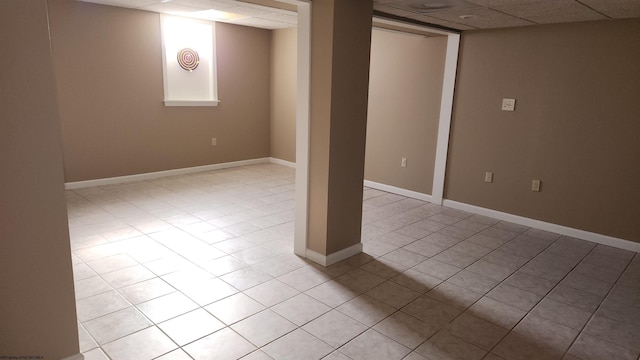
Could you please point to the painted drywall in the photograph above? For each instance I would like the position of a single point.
(405, 89)
(37, 303)
(109, 71)
(283, 94)
(575, 124)
(339, 92)
(404, 102)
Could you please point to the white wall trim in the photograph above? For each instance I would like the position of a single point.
(282, 162)
(191, 102)
(159, 174)
(303, 106)
(334, 257)
(558, 229)
(446, 110)
(75, 357)
(399, 191)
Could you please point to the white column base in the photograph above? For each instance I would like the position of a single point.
(326, 260)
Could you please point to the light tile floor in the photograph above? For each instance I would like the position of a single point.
(200, 266)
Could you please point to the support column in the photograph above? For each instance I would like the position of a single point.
(340, 49)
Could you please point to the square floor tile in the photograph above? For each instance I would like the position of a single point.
(116, 325)
(332, 293)
(516, 347)
(301, 309)
(372, 345)
(514, 296)
(99, 305)
(393, 294)
(221, 345)
(263, 327)
(619, 333)
(405, 329)
(234, 308)
(128, 276)
(146, 344)
(95, 354)
(546, 333)
(91, 286)
(335, 328)
(496, 312)
(359, 281)
(304, 278)
(166, 307)
(431, 311)
(86, 341)
(416, 280)
(475, 282)
(477, 331)
(271, 292)
(366, 310)
(454, 295)
(178, 354)
(562, 313)
(297, 344)
(207, 291)
(146, 290)
(191, 326)
(437, 269)
(446, 346)
(589, 347)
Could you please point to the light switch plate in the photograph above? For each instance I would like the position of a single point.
(535, 185)
(508, 104)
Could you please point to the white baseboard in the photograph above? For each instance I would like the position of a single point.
(326, 260)
(398, 191)
(159, 174)
(282, 162)
(558, 229)
(75, 357)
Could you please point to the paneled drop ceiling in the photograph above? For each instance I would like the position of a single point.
(266, 14)
(454, 14)
(485, 14)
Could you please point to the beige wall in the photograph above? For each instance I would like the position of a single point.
(37, 304)
(575, 127)
(404, 103)
(338, 111)
(405, 89)
(108, 65)
(283, 94)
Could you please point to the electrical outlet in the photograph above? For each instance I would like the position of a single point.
(403, 162)
(508, 104)
(488, 177)
(214, 141)
(535, 185)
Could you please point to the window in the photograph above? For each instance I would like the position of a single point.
(189, 62)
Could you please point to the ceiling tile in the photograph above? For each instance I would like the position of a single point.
(206, 4)
(616, 9)
(124, 3)
(261, 23)
(392, 10)
(496, 3)
(249, 10)
(170, 8)
(552, 11)
(483, 18)
(435, 21)
(291, 19)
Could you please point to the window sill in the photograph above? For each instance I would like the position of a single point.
(191, 102)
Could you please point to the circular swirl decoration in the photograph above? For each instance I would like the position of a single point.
(188, 59)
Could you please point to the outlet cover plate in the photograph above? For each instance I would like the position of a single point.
(508, 104)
